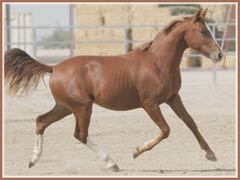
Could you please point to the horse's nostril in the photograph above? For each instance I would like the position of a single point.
(220, 55)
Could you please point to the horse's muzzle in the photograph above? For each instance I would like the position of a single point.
(220, 55)
(216, 56)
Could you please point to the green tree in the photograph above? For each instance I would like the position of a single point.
(58, 36)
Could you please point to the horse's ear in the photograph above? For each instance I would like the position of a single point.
(203, 14)
(197, 15)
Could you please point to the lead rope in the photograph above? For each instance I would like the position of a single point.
(214, 67)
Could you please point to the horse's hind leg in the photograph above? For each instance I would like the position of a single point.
(83, 115)
(42, 122)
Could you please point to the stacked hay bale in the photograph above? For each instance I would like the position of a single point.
(142, 14)
(130, 15)
(118, 15)
(109, 14)
(100, 15)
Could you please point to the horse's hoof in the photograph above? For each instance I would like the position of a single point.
(114, 168)
(135, 153)
(30, 164)
(211, 157)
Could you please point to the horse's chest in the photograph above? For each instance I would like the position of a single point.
(168, 89)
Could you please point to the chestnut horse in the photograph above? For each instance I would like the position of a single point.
(143, 78)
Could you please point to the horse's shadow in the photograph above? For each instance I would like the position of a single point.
(162, 171)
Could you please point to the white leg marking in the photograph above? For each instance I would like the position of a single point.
(146, 144)
(103, 156)
(37, 151)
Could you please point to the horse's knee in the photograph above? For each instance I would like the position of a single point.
(165, 132)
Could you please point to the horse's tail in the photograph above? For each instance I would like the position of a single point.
(22, 72)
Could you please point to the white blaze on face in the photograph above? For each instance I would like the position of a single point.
(37, 151)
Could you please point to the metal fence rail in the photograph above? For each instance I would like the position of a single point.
(125, 41)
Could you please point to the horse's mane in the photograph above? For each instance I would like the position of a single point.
(167, 29)
(145, 46)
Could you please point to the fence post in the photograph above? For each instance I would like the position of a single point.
(71, 35)
(128, 39)
(34, 42)
(8, 23)
(24, 32)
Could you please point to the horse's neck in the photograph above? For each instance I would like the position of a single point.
(168, 50)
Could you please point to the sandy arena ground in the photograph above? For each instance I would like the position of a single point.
(213, 106)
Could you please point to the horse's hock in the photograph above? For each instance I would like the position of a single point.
(135, 14)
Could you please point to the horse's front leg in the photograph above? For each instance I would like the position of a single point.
(154, 112)
(176, 104)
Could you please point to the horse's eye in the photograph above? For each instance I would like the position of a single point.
(203, 33)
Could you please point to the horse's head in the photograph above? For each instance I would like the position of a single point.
(199, 37)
